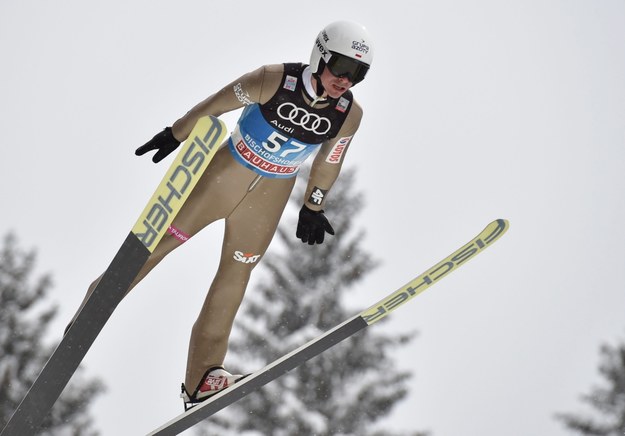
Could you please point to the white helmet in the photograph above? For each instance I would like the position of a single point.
(345, 48)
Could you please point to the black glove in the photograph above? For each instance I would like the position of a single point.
(163, 141)
(312, 226)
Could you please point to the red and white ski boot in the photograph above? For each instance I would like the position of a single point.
(214, 380)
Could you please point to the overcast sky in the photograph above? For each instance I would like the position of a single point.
(473, 111)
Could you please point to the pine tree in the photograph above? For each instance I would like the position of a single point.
(24, 318)
(608, 400)
(303, 292)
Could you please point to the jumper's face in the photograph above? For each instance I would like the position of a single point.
(334, 86)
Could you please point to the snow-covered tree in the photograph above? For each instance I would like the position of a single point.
(302, 291)
(608, 400)
(25, 315)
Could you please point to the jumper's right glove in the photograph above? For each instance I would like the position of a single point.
(163, 141)
(312, 226)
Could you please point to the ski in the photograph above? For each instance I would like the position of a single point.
(180, 179)
(332, 337)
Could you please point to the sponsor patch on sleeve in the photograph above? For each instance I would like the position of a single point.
(242, 95)
(317, 195)
(338, 149)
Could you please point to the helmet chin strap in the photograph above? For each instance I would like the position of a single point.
(319, 90)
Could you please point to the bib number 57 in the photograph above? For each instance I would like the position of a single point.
(276, 142)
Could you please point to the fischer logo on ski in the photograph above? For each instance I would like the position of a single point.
(421, 283)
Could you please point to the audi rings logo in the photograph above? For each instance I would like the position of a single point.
(301, 117)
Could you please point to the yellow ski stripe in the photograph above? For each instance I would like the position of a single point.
(490, 234)
(183, 174)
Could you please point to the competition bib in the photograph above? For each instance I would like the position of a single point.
(260, 146)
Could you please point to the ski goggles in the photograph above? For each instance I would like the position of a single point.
(343, 66)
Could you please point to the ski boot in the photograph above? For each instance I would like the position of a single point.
(214, 380)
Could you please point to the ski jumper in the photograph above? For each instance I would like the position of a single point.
(248, 184)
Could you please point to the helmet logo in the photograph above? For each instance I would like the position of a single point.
(301, 117)
(321, 48)
(360, 46)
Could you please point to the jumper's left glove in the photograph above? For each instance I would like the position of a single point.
(164, 142)
(312, 226)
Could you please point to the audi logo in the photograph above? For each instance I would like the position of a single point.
(301, 117)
